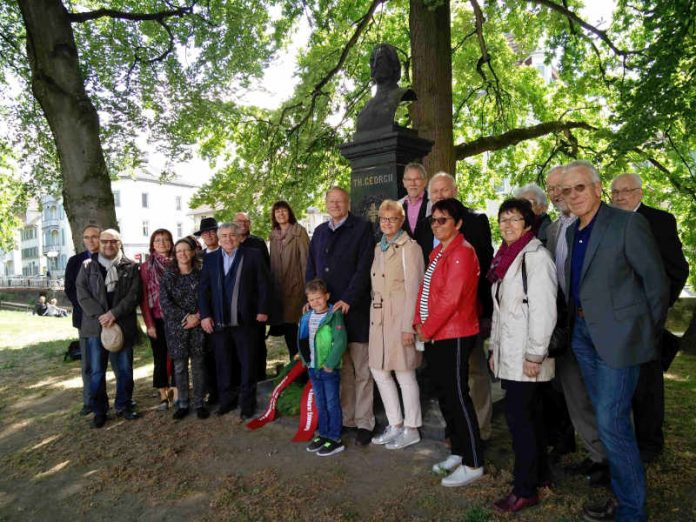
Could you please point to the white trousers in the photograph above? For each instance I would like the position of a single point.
(390, 397)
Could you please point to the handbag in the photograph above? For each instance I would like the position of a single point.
(559, 342)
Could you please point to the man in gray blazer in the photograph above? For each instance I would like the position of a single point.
(567, 370)
(617, 294)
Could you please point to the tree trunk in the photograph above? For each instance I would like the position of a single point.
(431, 55)
(688, 340)
(58, 86)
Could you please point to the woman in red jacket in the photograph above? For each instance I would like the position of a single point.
(447, 320)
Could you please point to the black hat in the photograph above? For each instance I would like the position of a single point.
(207, 224)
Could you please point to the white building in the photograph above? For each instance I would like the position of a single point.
(56, 235)
(33, 262)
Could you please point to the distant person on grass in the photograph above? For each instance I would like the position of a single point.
(90, 238)
(108, 290)
(322, 341)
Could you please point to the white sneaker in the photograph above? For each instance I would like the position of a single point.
(462, 476)
(407, 437)
(448, 464)
(388, 435)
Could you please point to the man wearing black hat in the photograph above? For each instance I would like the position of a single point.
(208, 232)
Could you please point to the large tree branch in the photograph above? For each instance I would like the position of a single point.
(135, 17)
(673, 178)
(515, 136)
(572, 17)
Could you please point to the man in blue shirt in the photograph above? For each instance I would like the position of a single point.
(617, 294)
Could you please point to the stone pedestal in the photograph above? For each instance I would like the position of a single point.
(377, 159)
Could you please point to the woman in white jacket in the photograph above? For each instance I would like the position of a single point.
(523, 322)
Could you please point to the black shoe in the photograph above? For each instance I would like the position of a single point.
(363, 438)
(599, 476)
(331, 447)
(127, 414)
(594, 512)
(98, 421)
(316, 444)
(86, 410)
(211, 400)
(202, 412)
(244, 417)
(180, 413)
(223, 410)
(348, 429)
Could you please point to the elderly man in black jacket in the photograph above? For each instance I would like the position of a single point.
(108, 290)
(90, 238)
(648, 400)
(341, 254)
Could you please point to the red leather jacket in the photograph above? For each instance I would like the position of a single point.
(452, 302)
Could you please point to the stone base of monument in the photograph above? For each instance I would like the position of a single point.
(433, 424)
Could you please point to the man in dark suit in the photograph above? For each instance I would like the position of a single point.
(90, 238)
(233, 298)
(249, 240)
(648, 401)
(617, 296)
(477, 231)
(417, 207)
(341, 254)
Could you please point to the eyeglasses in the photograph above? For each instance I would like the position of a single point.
(552, 189)
(109, 241)
(510, 221)
(623, 192)
(161, 240)
(409, 180)
(579, 188)
(439, 220)
(87, 238)
(392, 220)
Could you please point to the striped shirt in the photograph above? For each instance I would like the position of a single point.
(426, 287)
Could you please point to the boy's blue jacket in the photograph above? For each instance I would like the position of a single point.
(330, 340)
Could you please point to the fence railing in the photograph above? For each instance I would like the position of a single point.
(31, 282)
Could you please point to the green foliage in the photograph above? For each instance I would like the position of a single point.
(12, 200)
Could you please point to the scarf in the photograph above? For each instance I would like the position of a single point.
(156, 265)
(111, 271)
(505, 255)
(385, 243)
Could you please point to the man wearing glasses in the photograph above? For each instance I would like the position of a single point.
(417, 207)
(108, 291)
(617, 296)
(648, 401)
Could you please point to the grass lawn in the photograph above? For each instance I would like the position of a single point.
(55, 467)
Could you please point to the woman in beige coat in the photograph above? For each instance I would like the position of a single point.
(396, 274)
(289, 247)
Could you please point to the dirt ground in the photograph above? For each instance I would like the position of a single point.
(54, 466)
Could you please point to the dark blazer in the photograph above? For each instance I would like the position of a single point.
(259, 244)
(71, 271)
(624, 290)
(342, 259)
(254, 281)
(664, 228)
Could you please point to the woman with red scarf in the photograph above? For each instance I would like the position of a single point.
(161, 254)
(523, 278)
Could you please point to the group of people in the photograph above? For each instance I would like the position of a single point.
(594, 285)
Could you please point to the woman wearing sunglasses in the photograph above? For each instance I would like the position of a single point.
(523, 321)
(447, 320)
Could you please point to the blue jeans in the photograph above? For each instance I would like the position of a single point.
(326, 396)
(121, 365)
(611, 390)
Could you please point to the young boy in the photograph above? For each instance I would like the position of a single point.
(322, 339)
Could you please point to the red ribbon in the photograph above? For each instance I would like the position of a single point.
(270, 412)
(308, 416)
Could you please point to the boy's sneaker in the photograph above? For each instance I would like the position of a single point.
(316, 444)
(330, 447)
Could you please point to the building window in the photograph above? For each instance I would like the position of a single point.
(178, 204)
(117, 198)
(179, 230)
(145, 200)
(146, 228)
